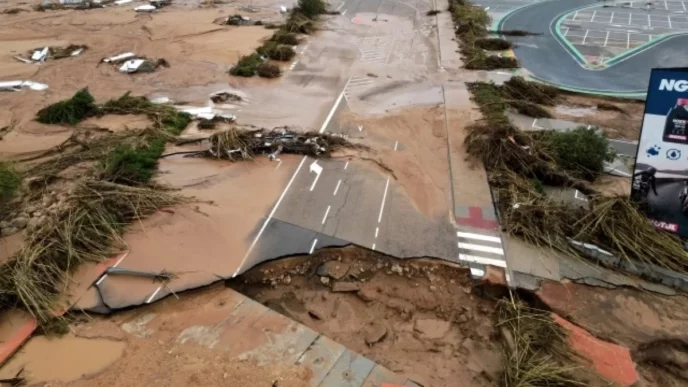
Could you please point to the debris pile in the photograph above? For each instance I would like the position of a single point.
(235, 144)
(130, 63)
(19, 85)
(39, 55)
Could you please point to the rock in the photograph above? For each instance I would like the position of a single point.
(47, 201)
(324, 280)
(333, 269)
(4, 224)
(287, 280)
(36, 214)
(432, 328)
(19, 222)
(433, 288)
(374, 333)
(380, 265)
(367, 294)
(346, 287)
(463, 318)
(9, 231)
(396, 268)
(33, 223)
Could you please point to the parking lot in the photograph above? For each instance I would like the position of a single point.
(602, 33)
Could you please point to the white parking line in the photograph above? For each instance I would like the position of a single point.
(606, 39)
(155, 293)
(325, 216)
(684, 5)
(480, 237)
(377, 230)
(346, 165)
(586, 36)
(373, 246)
(278, 164)
(630, 15)
(337, 188)
(628, 40)
(477, 272)
(592, 19)
(669, 18)
(313, 246)
(575, 16)
(396, 144)
(115, 265)
(649, 20)
(611, 20)
(485, 249)
(384, 197)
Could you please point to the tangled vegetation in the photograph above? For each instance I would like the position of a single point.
(9, 181)
(493, 44)
(536, 347)
(515, 160)
(70, 111)
(269, 70)
(302, 20)
(471, 29)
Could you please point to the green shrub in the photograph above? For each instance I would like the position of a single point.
(493, 44)
(9, 181)
(311, 8)
(480, 60)
(70, 111)
(175, 121)
(275, 51)
(247, 66)
(470, 20)
(581, 151)
(133, 166)
(283, 37)
(269, 70)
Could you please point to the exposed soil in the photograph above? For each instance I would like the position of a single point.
(418, 318)
(654, 327)
(620, 119)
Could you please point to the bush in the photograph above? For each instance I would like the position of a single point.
(535, 92)
(133, 166)
(283, 37)
(470, 20)
(299, 23)
(311, 8)
(247, 66)
(581, 151)
(479, 60)
(493, 44)
(514, 33)
(70, 111)
(9, 181)
(530, 109)
(269, 70)
(275, 51)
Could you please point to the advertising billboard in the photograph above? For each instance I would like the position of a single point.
(660, 178)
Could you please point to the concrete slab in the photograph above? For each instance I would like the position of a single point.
(350, 370)
(320, 357)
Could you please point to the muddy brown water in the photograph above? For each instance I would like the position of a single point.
(62, 359)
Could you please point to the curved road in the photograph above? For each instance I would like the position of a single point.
(547, 58)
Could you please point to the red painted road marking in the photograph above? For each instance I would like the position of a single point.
(475, 219)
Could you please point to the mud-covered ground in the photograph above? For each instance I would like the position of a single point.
(620, 119)
(418, 318)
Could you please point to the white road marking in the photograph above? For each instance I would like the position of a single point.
(318, 171)
(315, 241)
(536, 126)
(581, 197)
(606, 39)
(575, 16)
(669, 18)
(628, 40)
(325, 217)
(382, 206)
(155, 293)
(592, 19)
(337, 188)
(115, 265)
(340, 6)
(343, 12)
(611, 20)
(373, 246)
(480, 237)
(684, 5)
(377, 230)
(482, 260)
(360, 128)
(477, 272)
(649, 20)
(278, 164)
(284, 193)
(630, 16)
(346, 165)
(485, 249)
(396, 144)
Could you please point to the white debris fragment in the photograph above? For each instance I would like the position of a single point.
(122, 2)
(283, 9)
(40, 55)
(22, 59)
(161, 100)
(18, 85)
(131, 66)
(77, 52)
(145, 8)
(120, 57)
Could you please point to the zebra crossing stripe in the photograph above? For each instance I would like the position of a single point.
(480, 237)
(482, 260)
(483, 248)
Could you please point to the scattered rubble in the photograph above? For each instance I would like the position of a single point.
(131, 63)
(235, 144)
(18, 85)
(40, 55)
